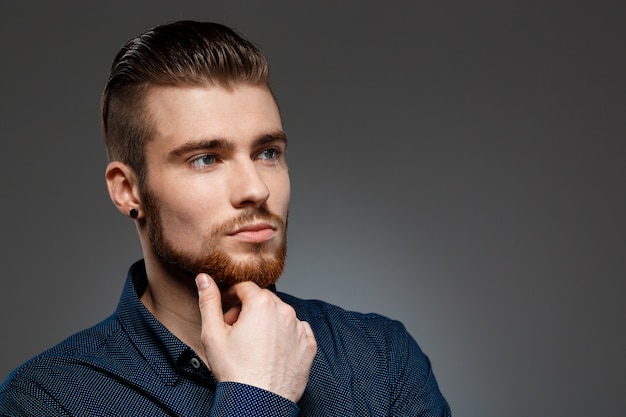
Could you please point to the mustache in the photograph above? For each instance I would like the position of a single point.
(259, 215)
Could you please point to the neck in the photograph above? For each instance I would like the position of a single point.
(172, 299)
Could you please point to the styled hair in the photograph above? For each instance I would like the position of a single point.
(183, 53)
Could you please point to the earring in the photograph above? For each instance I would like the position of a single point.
(134, 213)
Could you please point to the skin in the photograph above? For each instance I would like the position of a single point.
(217, 154)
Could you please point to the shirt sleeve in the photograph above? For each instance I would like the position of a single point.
(241, 400)
(415, 391)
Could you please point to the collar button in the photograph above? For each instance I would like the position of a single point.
(195, 362)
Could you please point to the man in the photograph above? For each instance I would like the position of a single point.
(197, 159)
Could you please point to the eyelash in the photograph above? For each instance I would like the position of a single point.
(277, 152)
(195, 162)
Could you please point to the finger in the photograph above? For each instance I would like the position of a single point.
(231, 316)
(307, 329)
(210, 303)
(229, 299)
(310, 337)
(246, 291)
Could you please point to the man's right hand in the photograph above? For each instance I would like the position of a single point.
(258, 342)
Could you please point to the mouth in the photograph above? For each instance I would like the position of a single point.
(254, 233)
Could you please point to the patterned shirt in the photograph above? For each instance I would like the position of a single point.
(131, 365)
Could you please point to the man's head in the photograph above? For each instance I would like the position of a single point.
(197, 147)
(184, 53)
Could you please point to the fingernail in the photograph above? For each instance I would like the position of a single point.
(202, 281)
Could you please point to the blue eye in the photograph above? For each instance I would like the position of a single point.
(270, 153)
(204, 161)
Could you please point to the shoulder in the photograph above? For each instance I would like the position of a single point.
(372, 358)
(368, 339)
(59, 364)
(321, 314)
(83, 344)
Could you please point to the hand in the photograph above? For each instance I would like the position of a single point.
(258, 342)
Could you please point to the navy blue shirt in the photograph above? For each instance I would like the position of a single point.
(131, 365)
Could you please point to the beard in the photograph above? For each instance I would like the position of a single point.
(259, 266)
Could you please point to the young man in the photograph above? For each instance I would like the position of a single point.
(197, 159)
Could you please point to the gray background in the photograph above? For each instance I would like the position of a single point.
(455, 165)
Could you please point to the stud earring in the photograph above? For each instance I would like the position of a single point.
(134, 213)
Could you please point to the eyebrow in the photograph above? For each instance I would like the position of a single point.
(226, 144)
(278, 136)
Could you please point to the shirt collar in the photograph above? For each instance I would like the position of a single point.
(165, 353)
(162, 350)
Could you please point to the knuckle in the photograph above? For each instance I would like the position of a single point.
(264, 300)
(206, 302)
(287, 312)
(312, 344)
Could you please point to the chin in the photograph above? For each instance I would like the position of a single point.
(262, 269)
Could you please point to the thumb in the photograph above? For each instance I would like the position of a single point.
(210, 303)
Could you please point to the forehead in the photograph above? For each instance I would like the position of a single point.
(184, 113)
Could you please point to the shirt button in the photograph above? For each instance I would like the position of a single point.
(195, 362)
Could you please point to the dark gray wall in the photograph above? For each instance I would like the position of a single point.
(456, 165)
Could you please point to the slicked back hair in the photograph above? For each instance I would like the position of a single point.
(183, 53)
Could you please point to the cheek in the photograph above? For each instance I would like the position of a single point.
(189, 211)
(283, 195)
(193, 195)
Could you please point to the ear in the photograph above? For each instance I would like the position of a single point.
(123, 187)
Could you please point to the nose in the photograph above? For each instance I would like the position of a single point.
(248, 187)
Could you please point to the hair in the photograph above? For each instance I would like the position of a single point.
(183, 53)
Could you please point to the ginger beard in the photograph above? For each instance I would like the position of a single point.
(263, 268)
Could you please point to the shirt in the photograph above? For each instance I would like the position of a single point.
(131, 365)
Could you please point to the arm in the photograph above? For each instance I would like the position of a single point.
(415, 390)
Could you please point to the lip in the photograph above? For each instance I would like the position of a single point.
(254, 233)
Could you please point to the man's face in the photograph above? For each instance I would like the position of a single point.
(217, 189)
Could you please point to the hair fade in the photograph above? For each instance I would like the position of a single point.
(179, 53)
